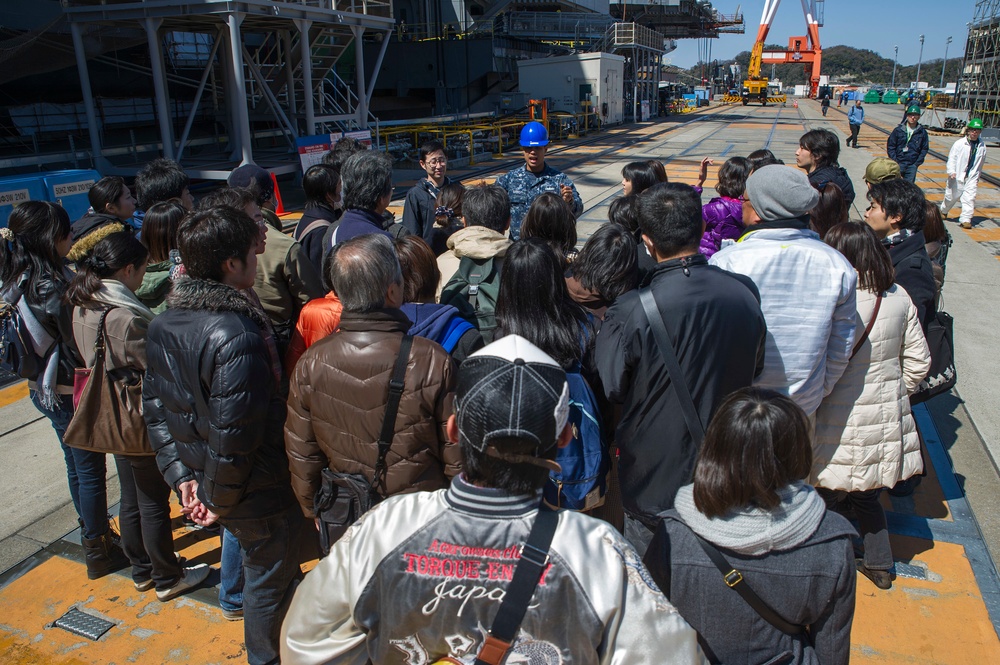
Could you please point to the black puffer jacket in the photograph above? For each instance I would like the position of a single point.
(915, 273)
(211, 401)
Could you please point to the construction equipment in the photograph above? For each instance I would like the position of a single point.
(803, 50)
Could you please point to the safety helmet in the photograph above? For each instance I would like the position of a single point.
(975, 123)
(534, 134)
(913, 109)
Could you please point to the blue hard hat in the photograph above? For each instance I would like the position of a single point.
(534, 134)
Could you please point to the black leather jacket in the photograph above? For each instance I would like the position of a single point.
(211, 401)
(56, 317)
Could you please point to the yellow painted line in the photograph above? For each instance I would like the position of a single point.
(147, 631)
(945, 622)
(14, 393)
(983, 235)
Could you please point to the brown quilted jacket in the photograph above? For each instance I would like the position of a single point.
(337, 401)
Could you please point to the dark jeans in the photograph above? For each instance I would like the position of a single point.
(85, 470)
(825, 109)
(871, 522)
(230, 573)
(270, 550)
(908, 172)
(144, 515)
(854, 135)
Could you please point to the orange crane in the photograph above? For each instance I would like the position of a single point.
(803, 50)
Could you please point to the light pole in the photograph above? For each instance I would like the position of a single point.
(895, 59)
(920, 59)
(945, 64)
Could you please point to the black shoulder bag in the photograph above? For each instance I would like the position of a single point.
(344, 497)
(734, 580)
(662, 338)
(527, 573)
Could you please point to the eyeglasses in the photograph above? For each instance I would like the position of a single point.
(436, 162)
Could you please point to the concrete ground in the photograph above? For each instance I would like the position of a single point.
(948, 588)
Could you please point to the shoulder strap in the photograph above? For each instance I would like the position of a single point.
(734, 580)
(527, 573)
(391, 408)
(868, 328)
(662, 338)
(312, 226)
(99, 343)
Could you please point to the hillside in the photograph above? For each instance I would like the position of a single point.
(846, 64)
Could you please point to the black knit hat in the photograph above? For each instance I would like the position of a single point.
(512, 392)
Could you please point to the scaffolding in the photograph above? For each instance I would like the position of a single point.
(643, 49)
(267, 65)
(979, 86)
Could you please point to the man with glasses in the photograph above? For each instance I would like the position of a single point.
(965, 164)
(525, 183)
(367, 191)
(421, 200)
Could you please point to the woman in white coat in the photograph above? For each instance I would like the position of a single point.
(866, 438)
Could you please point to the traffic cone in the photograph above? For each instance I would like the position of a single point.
(280, 208)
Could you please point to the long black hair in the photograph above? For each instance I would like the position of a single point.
(534, 303)
(37, 227)
(642, 175)
(111, 254)
(551, 219)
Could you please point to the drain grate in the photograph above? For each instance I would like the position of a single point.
(910, 571)
(81, 623)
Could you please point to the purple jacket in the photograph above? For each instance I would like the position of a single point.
(723, 219)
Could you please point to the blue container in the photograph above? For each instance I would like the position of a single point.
(18, 189)
(70, 188)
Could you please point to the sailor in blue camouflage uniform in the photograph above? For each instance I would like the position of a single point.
(525, 183)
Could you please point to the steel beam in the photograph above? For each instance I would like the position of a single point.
(239, 96)
(152, 26)
(88, 97)
(359, 55)
(308, 94)
(375, 70)
(197, 98)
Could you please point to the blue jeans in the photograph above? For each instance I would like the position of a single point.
(231, 573)
(269, 547)
(908, 172)
(85, 470)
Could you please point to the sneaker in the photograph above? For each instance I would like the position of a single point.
(190, 578)
(144, 585)
(966, 225)
(233, 615)
(880, 578)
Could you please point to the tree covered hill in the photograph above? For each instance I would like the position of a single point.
(846, 64)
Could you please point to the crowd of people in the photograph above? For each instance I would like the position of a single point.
(715, 391)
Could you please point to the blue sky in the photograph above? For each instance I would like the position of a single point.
(873, 24)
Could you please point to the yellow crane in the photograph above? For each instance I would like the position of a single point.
(803, 50)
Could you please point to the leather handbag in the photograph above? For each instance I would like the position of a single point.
(107, 416)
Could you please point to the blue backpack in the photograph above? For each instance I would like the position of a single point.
(585, 462)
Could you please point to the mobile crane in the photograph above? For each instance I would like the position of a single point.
(803, 49)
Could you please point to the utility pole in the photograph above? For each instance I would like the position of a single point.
(945, 64)
(920, 59)
(895, 59)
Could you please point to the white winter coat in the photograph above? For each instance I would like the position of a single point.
(807, 296)
(958, 159)
(866, 437)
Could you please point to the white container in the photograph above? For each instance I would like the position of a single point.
(564, 80)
